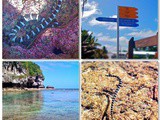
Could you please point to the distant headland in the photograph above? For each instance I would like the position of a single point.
(22, 76)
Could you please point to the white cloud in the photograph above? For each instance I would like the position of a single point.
(143, 33)
(113, 16)
(106, 39)
(111, 42)
(122, 39)
(91, 8)
(108, 25)
(111, 48)
(99, 34)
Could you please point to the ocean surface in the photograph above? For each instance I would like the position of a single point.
(41, 105)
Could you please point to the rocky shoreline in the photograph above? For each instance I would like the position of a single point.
(22, 75)
(136, 98)
(20, 90)
(25, 89)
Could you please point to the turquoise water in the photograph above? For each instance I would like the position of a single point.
(41, 105)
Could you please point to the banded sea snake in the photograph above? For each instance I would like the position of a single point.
(115, 93)
(23, 23)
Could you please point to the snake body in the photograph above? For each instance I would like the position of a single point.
(115, 93)
(32, 31)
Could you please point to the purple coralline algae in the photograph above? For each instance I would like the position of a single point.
(50, 30)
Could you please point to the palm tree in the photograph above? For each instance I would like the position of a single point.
(90, 47)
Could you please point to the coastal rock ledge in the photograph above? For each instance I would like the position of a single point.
(50, 87)
(22, 75)
(137, 96)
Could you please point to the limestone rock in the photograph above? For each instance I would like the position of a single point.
(137, 99)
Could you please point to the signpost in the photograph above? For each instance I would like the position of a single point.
(105, 19)
(127, 13)
(126, 16)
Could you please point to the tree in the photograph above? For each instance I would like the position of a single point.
(90, 46)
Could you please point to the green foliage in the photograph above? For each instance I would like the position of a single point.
(90, 46)
(32, 68)
(124, 50)
(153, 48)
(143, 57)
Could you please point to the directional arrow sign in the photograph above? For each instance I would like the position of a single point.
(126, 16)
(131, 16)
(122, 21)
(128, 24)
(128, 12)
(104, 19)
(128, 20)
(127, 9)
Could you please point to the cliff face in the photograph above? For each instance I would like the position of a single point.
(22, 75)
(103, 98)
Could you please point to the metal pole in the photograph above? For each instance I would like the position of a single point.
(118, 32)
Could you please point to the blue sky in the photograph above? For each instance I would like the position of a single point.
(105, 32)
(60, 74)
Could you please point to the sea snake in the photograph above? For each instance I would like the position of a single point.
(115, 93)
(32, 31)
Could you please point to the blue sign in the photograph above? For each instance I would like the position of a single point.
(104, 19)
(128, 20)
(128, 24)
(122, 21)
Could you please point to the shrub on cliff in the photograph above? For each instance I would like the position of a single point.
(32, 68)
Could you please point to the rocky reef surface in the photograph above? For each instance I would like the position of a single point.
(52, 42)
(135, 99)
(22, 75)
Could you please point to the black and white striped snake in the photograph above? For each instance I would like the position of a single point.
(115, 93)
(40, 25)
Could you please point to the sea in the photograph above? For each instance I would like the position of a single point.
(60, 104)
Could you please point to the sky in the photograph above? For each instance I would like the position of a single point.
(60, 74)
(105, 32)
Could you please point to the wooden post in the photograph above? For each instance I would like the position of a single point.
(131, 46)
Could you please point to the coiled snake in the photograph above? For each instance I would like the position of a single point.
(30, 26)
